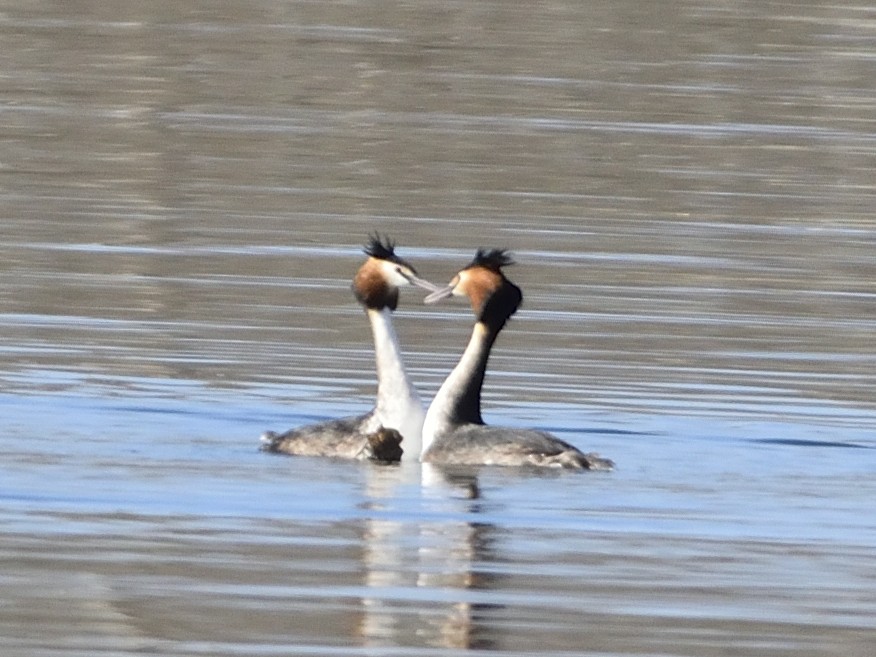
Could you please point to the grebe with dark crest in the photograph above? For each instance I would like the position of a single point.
(398, 413)
(454, 432)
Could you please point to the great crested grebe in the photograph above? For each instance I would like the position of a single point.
(454, 432)
(398, 412)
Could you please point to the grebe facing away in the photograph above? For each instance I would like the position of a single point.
(398, 412)
(454, 432)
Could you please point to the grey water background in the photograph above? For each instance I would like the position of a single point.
(689, 191)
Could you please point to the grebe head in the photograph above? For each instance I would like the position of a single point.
(377, 282)
(493, 297)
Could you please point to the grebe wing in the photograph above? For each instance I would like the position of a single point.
(475, 444)
(346, 437)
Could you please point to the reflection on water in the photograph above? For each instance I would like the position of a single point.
(229, 551)
(689, 193)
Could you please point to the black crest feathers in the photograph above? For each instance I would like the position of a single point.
(492, 259)
(382, 248)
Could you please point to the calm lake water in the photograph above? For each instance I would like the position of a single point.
(689, 193)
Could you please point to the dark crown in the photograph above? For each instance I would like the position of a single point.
(382, 248)
(494, 259)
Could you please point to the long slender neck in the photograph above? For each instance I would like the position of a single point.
(459, 399)
(398, 404)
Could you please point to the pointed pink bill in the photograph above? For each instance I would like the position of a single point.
(413, 279)
(423, 283)
(439, 294)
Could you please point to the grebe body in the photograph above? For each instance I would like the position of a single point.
(454, 432)
(398, 413)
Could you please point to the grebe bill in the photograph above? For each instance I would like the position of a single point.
(454, 432)
(398, 413)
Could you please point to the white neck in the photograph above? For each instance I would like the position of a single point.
(398, 404)
(459, 399)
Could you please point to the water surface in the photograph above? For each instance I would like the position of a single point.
(689, 195)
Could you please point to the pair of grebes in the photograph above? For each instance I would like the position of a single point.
(451, 431)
